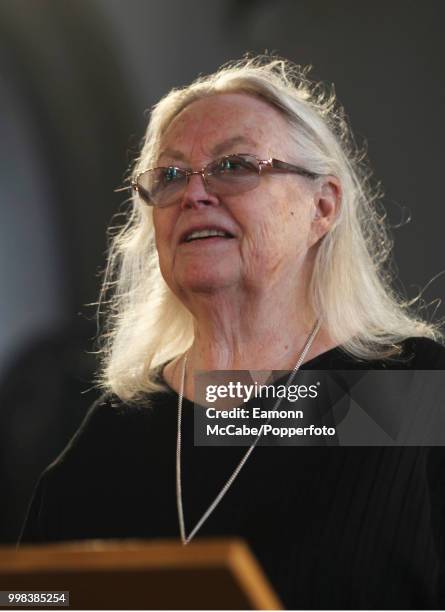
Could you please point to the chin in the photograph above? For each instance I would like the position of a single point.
(205, 280)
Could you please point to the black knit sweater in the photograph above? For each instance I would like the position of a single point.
(333, 527)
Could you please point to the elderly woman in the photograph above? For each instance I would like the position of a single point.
(253, 244)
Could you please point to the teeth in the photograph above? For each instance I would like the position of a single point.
(205, 234)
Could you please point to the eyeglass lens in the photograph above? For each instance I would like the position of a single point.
(229, 175)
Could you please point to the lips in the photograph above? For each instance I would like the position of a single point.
(205, 232)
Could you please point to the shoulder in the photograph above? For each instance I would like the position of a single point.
(110, 427)
(413, 353)
(104, 459)
(419, 353)
(105, 415)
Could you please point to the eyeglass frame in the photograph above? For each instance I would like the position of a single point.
(271, 163)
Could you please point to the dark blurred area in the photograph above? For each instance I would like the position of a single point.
(76, 79)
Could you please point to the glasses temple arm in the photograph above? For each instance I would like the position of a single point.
(123, 188)
(280, 165)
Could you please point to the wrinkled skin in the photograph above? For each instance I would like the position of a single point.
(241, 290)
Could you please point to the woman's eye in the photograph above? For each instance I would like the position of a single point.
(171, 174)
(230, 165)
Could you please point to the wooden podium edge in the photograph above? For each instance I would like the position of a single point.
(107, 555)
(252, 578)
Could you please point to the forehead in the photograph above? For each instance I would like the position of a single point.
(225, 123)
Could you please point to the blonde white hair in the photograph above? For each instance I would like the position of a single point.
(351, 286)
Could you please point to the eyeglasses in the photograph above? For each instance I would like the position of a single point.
(228, 175)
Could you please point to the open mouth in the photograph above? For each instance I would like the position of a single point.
(207, 235)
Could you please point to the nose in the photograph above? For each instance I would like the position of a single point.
(195, 193)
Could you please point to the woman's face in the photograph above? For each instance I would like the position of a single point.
(272, 226)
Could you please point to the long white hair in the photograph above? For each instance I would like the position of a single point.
(351, 287)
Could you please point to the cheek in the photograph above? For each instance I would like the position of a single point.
(163, 231)
(277, 235)
(163, 240)
(261, 250)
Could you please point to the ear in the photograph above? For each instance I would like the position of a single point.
(327, 199)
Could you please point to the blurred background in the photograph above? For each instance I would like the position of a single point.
(76, 79)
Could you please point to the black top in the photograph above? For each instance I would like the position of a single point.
(333, 527)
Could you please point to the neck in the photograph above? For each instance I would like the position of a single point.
(250, 325)
(267, 333)
(250, 335)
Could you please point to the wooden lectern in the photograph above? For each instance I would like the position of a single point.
(206, 574)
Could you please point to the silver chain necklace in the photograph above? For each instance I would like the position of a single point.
(186, 539)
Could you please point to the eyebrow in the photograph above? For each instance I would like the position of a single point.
(231, 142)
(172, 153)
(218, 149)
